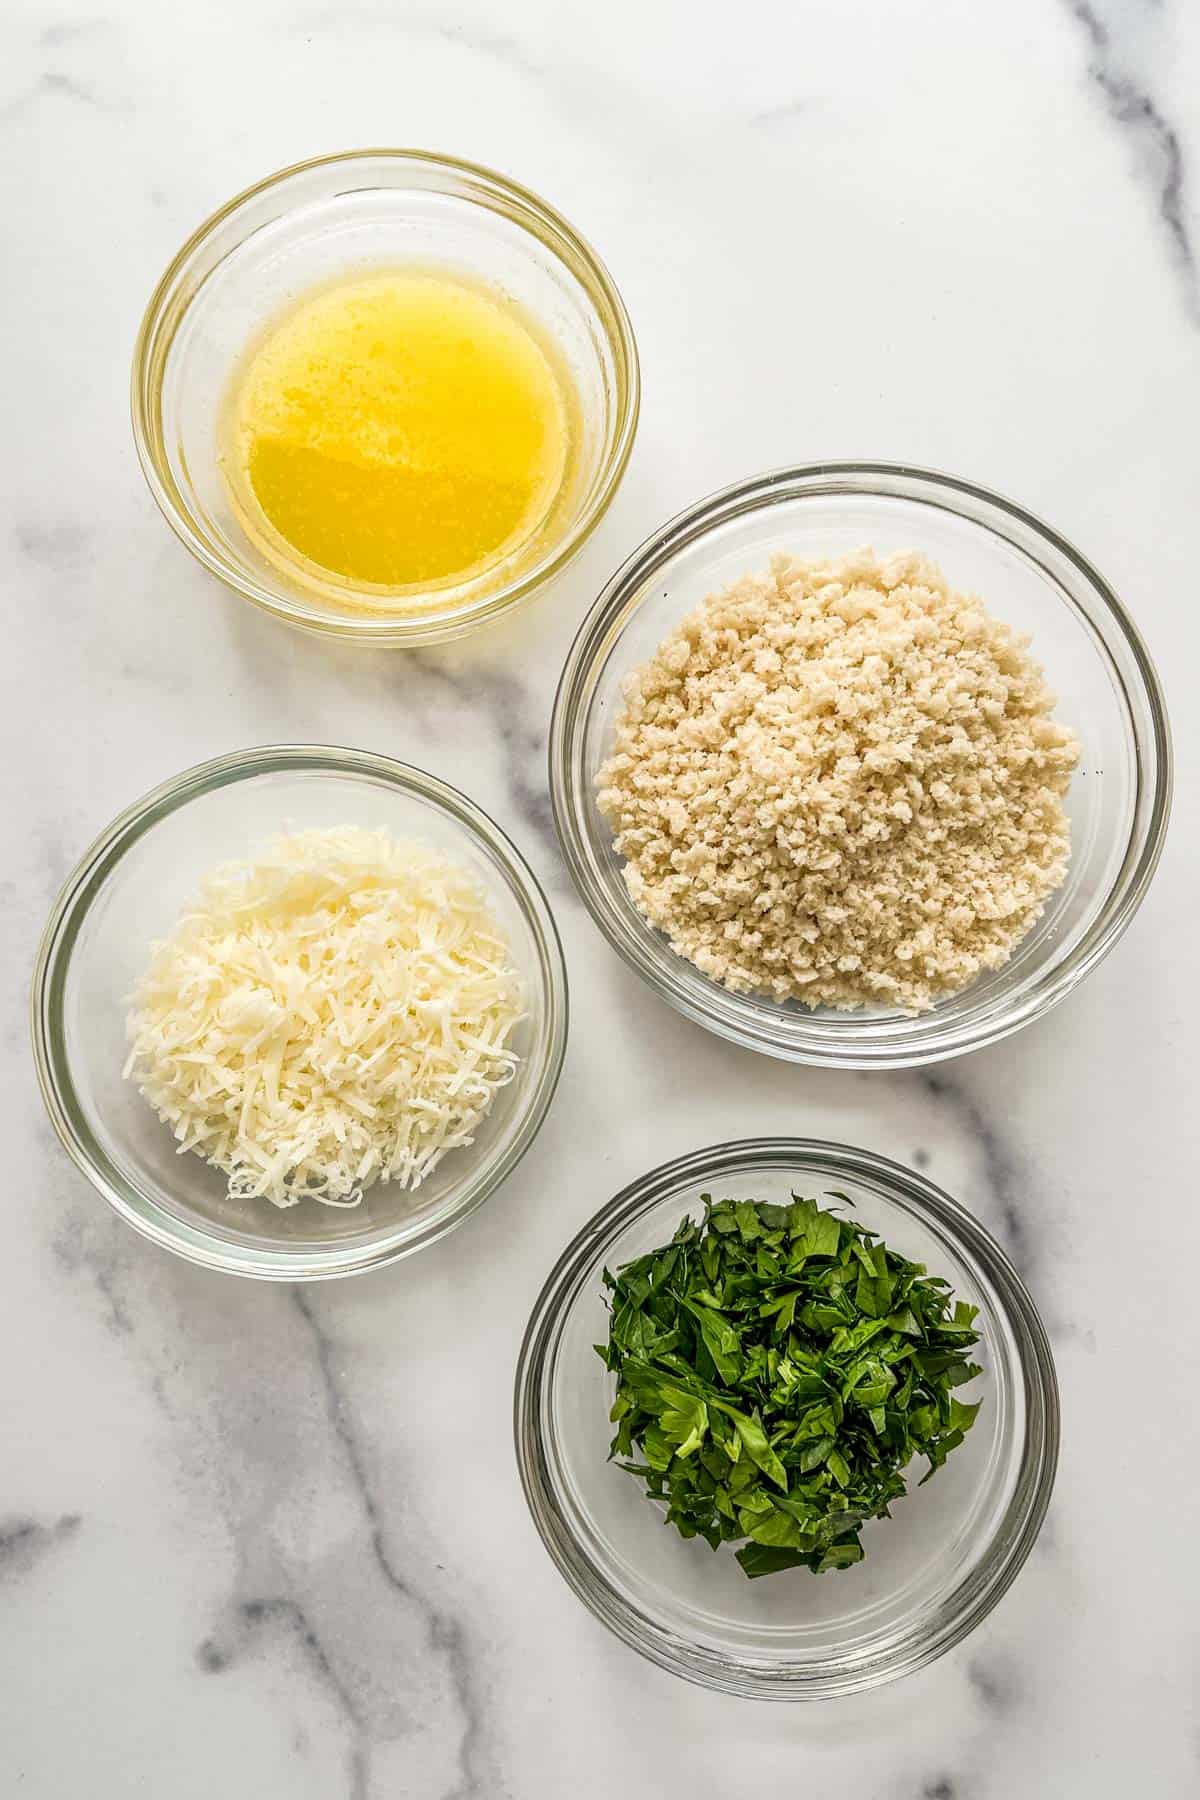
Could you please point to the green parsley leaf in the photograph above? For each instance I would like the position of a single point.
(777, 1367)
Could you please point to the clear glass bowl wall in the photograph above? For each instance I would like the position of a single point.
(1029, 577)
(348, 214)
(130, 888)
(931, 1572)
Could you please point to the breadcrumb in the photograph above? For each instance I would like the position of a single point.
(841, 783)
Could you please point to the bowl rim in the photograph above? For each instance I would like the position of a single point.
(66, 919)
(1013, 1536)
(650, 956)
(537, 217)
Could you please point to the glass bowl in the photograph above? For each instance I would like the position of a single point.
(931, 1572)
(129, 889)
(1029, 577)
(349, 214)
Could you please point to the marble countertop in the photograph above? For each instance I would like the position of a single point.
(234, 1555)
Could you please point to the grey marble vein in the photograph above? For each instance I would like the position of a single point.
(1002, 1168)
(996, 1682)
(479, 1778)
(768, 117)
(51, 84)
(278, 1584)
(92, 1247)
(520, 724)
(260, 1615)
(244, 1433)
(1130, 103)
(53, 543)
(516, 720)
(55, 81)
(24, 1542)
(67, 31)
(52, 853)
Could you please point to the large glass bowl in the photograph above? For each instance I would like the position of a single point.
(931, 1572)
(350, 214)
(130, 888)
(1029, 577)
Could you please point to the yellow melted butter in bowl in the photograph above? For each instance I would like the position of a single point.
(397, 431)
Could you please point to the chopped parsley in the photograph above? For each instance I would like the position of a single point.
(777, 1368)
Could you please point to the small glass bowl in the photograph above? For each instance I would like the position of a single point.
(130, 888)
(1029, 577)
(931, 1572)
(346, 215)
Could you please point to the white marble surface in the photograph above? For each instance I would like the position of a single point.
(239, 1554)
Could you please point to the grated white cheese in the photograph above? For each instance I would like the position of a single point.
(335, 1013)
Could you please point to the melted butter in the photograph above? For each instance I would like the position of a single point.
(398, 429)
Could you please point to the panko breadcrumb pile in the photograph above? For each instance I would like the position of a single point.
(841, 783)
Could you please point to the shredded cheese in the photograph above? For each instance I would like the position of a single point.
(336, 1012)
